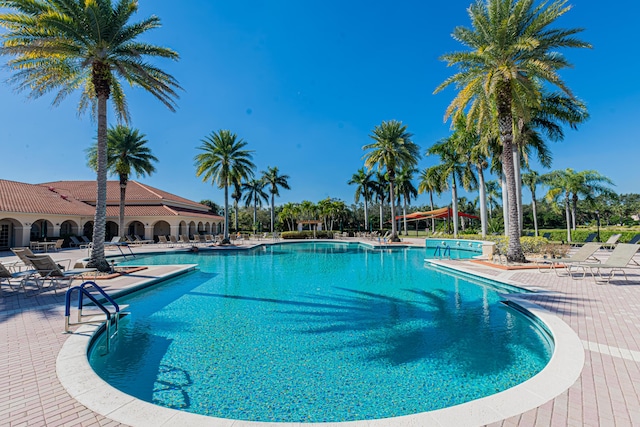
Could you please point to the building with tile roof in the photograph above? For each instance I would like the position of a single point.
(35, 212)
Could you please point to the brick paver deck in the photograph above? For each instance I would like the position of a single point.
(606, 317)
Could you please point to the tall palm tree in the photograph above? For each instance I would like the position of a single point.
(454, 166)
(223, 161)
(288, 214)
(64, 45)
(406, 190)
(532, 179)
(512, 55)
(363, 179)
(431, 182)
(254, 194)
(391, 150)
(274, 180)
(126, 153)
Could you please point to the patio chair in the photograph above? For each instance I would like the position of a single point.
(58, 245)
(173, 240)
(583, 254)
(611, 241)
(589, 239)
(620, 258)
(7, 276)
(163, 240)
(208, 238)
(635, 239)
(139, 239)
(196, 240)
(183, 239)
(48, 270)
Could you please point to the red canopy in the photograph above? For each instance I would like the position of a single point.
(437, 214)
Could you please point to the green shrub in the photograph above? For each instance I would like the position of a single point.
(307, 234)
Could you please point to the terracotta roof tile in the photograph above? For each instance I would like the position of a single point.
(29, 198)
(132, 211)
(136, 192)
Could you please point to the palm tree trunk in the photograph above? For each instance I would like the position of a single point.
(392, 203)
(381, 212)
(235, 209)
(433, 220)
(505, 203)
(100, 220)
(482, 193)
(505, 125)
(535, 212)
(123, 195)
(366, 214)
(226, 213)
(454, 205)
(574, 209)
(518, 179)
(404, 213)
(273, 212)
(567, 212)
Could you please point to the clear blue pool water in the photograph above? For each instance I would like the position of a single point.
(318, 333)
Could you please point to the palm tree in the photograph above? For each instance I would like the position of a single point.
(365, 187)
(126, 153)
(64, 45)
(391, 150)
(512, 55)
(406, 189)
(431, 182)
(224, 161)
(288, 214)
(273, 178)
(531, 180)
(254, 193)
(455, 166)
(236, 195)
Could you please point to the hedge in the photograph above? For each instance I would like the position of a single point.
(307, 234)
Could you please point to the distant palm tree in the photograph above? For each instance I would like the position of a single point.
(274, 180)
(391, 150)
(531, 180)
(224, 161)
(236, 195)
(126, 153)
(406, 190)
(66, 45)
(254, 194)
(453, 165)
(431, 182)
(363, 179)
(288, 214)
(512, 54)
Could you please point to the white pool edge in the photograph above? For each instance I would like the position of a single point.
(564, 368)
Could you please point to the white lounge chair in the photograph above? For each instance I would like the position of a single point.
(583, 254)
(48, 270)
(20, 278)
(620, 258)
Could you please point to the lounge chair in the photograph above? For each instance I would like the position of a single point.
(208, 238)
(7, 276)
(140, 240)
(58, 245)
(76, 243)
(589, 239)
(184, 239)
(85, 240)
(173, 240)
(546, 236)
(635, 239)
(48, 270)
(620, 258)
(196, 240)
(611, 241)
(583, 254)
(163, 240)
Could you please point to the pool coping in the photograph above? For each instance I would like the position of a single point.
(84, 385)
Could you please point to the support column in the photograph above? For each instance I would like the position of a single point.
(175, 230)
(148, 232)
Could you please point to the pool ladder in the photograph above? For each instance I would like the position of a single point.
(442, 251)
(113, 318)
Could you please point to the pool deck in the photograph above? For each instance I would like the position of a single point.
(606, 318)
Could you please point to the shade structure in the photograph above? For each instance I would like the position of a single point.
(437, 214)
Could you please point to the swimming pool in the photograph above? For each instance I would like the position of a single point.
(318, 332)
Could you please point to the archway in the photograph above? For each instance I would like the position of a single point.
(8, 238)
(201, 229)
(207, 228)
(41, 229)
(87, 230)
(182, 228)
(110, 231)
(192, 228)
(68, 228)
(135, 228)
(161, 228)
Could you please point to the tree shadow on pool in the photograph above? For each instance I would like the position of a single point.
(428, 325)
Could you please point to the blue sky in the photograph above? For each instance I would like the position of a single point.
(305, 82)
